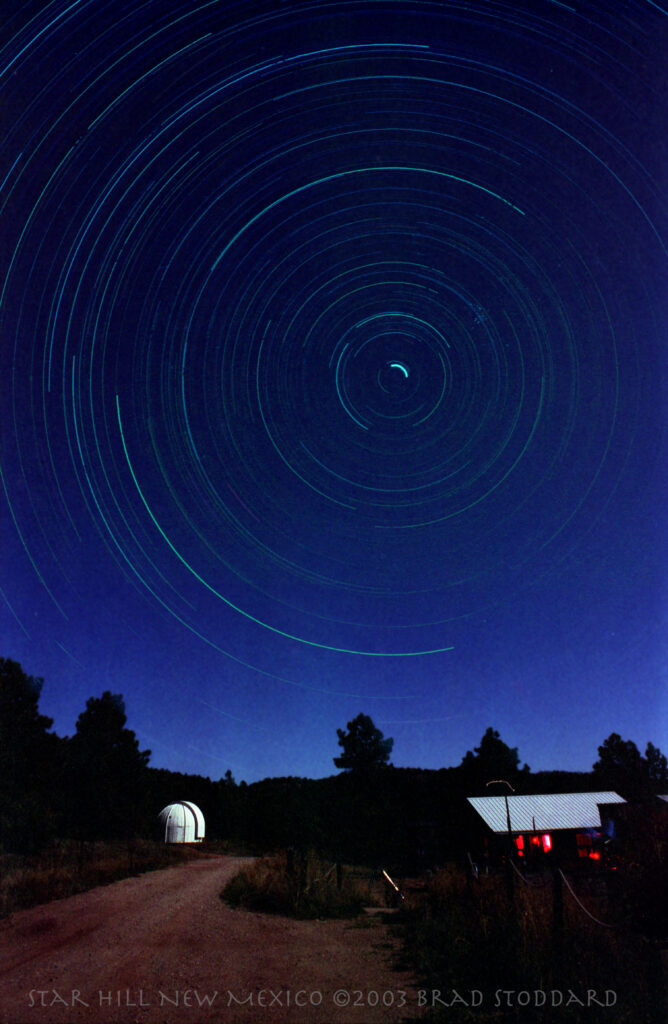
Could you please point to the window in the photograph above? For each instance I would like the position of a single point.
(583, 841)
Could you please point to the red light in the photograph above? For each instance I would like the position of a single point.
(535, 841)
(547, 842)
(595, 855)
(519, 842)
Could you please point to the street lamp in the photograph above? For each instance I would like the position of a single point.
(509, 866)
(505, 782)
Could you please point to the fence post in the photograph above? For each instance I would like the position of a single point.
(510, 881)
(303, 868)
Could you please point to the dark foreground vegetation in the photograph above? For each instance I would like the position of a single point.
(484, 956)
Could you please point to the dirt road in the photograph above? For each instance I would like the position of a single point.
(164, 949)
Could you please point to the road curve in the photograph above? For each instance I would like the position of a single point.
(163, 948)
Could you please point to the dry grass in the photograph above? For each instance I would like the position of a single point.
(469, 936)
(68, 867)
(306, 887)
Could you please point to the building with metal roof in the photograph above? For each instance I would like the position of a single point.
(183, 822)
(565, 827)
(543, 812)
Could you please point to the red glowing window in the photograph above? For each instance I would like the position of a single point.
(535, 841)
(519, 842)
(547, 842)
(584, 844)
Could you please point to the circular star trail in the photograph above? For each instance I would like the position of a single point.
(322, 321)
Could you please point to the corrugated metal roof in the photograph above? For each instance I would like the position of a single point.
(543, 812)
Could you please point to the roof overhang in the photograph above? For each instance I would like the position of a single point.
(543, 812)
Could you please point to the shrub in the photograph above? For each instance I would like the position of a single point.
(304, 887)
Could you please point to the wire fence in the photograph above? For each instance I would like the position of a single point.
(582, 906)
(533, 883)
(321, 878)
(543, 883)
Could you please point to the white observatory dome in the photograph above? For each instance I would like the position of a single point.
(183, 822)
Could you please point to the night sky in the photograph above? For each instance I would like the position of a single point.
(334, 374)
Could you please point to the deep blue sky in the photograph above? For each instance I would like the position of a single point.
(334, 374)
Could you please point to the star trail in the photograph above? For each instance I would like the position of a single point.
(333, 356)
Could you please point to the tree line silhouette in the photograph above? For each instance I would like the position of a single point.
(98, 785)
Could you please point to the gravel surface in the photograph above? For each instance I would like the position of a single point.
(163, 948)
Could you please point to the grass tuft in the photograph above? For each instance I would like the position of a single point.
(306, 889)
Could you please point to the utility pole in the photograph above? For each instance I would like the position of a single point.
(510, 881)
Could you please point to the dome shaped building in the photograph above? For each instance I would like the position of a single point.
(182, 822)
